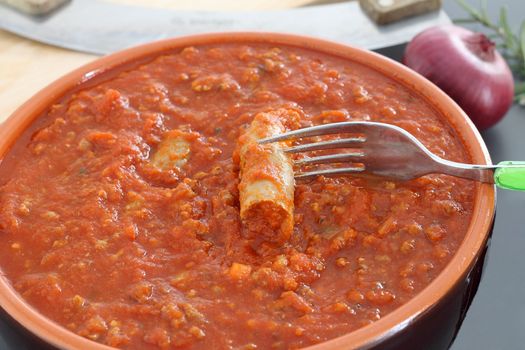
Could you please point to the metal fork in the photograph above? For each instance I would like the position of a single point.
(389, 151)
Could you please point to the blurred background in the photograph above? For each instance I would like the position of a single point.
(496, 319)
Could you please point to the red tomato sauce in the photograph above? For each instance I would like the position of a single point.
(137, 257)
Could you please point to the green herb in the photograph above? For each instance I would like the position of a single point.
(512, 46)
(218, 130)
(82, 171)
(519, 93)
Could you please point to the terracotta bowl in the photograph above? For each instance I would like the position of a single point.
(428, 321)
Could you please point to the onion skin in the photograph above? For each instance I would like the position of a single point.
(467, 67)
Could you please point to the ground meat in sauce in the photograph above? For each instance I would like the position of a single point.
(135, 256)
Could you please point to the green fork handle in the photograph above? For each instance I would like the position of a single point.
(510, 178)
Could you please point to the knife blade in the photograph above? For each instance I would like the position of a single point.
(100, 27)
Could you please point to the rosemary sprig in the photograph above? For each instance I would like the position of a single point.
(519, 93)
(512, 46)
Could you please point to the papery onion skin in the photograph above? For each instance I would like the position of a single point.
(467, 67)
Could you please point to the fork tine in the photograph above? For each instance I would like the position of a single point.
(325, 129)
(330, 172)
(339, 143)
(332, 158)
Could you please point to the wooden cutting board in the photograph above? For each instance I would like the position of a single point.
(27, 66)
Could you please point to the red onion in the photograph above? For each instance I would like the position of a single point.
(467, 67)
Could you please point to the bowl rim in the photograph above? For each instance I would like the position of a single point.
(362, 338)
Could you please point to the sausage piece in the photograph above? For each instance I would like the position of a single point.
(173, 151)
(266, 187)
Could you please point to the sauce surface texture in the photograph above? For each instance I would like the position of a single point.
(103, 240)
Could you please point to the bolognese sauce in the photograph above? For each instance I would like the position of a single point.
(120, 213)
